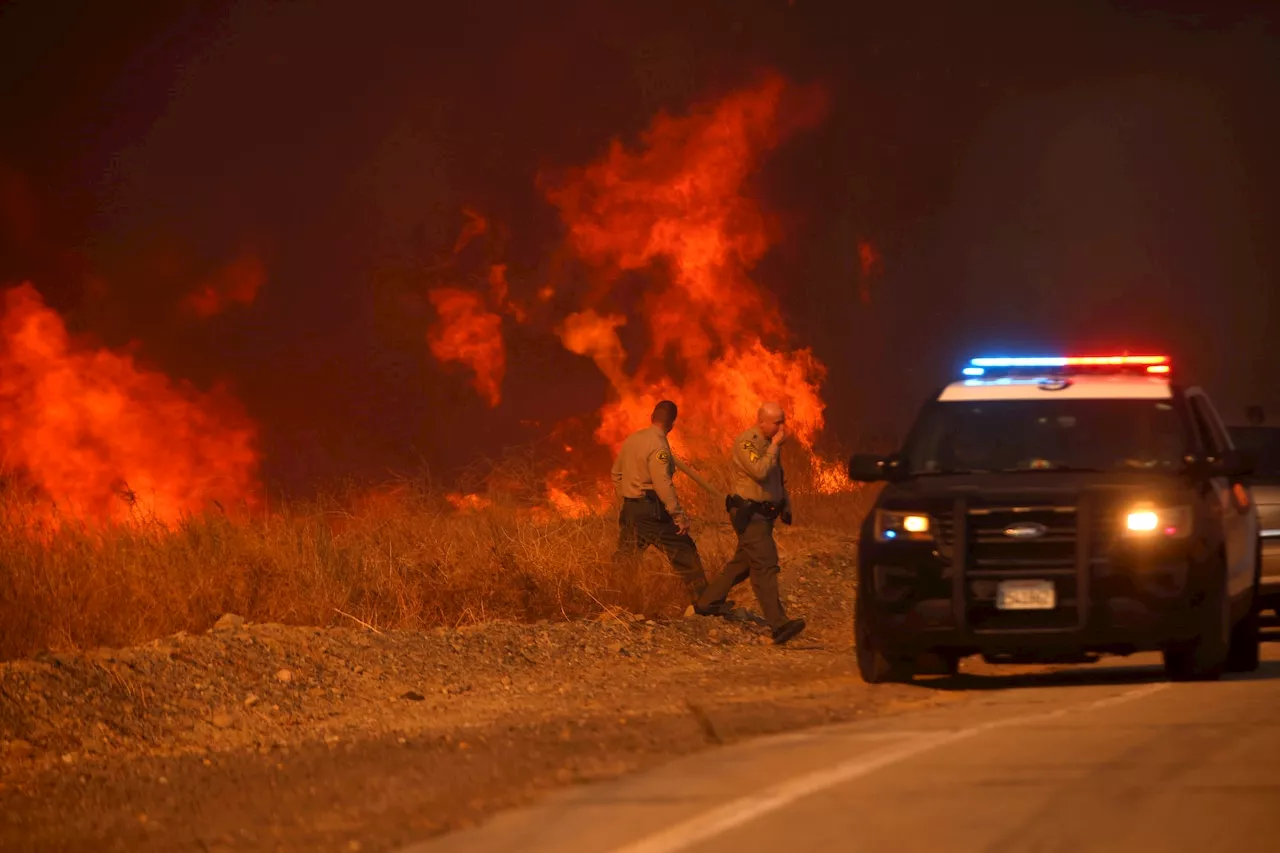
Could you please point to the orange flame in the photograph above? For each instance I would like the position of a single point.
(475, 226)
(678, 206)
(472, 335)
(101, 436)
(237, 282)
(568, 501)
(500, 291)
(468, 501)
(831, 477)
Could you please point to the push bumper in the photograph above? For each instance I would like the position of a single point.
(1118, 625)
(1109, 596)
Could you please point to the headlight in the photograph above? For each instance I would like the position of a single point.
(1162, 522)
(892, 525)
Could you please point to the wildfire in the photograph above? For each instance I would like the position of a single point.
(475, 226)
(468, 501)
(677, 208)
(471, 334)
(831, 477)
(237, 282)
(567, 500)
(674, 213)
(500, 292)
(102, 436)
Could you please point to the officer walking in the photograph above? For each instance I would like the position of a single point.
(651, 511)
(759, 497)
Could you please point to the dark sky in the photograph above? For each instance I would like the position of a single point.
(1085, 175)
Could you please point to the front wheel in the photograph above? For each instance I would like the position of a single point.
(1245, 654)
(1205, 657)
(876, 663)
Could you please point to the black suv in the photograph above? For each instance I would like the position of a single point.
(1051, 510)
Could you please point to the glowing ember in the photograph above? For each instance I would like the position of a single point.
(236, 283)
(677, 208)
(475, 226)
(103, 437)
(468, 501)
(470, 334)
(869, 265)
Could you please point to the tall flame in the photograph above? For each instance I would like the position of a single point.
(470, 334)
(678, 209)
(102, 436)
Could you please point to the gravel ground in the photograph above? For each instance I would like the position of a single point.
(270, 737)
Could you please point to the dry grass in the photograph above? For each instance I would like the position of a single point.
(400, 557)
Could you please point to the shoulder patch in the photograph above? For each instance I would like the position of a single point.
(664, 456)
(752, 453)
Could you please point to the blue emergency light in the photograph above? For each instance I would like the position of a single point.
(1156, 364)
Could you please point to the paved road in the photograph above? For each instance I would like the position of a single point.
(1094, 758)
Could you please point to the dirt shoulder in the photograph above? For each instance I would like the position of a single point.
(267, 737)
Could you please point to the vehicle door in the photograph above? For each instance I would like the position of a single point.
(1234, 502)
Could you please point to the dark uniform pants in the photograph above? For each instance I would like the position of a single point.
(756, 558)
(644, 522)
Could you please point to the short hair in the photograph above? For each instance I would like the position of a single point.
(664, 411)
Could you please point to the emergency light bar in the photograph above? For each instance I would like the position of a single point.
(1157, 364)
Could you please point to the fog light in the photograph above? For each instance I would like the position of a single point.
(893, 525)
(1164, 522)
(1143, 521)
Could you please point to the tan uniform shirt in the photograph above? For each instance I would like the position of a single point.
(644, 463)
(757, 468)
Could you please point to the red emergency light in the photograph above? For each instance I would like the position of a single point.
(1157, 364)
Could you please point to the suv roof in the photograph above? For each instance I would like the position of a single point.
(1113, 377)
(1074, 387)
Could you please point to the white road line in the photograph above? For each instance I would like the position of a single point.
(746, 809)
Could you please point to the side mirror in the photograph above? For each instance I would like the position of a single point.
(1238, 463)
(1232, 463)
(869, 468)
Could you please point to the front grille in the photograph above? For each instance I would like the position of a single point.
(992, 555)
(992, 551)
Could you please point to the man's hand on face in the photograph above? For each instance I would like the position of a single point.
(780, 436)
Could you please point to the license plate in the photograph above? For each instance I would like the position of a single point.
(1025, 595)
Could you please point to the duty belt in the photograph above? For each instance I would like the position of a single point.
(748, 509)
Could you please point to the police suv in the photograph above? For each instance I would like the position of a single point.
(1055, 509)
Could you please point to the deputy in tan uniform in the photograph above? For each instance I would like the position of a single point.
(759, 498)
(651, 511)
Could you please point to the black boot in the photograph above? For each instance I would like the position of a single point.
(787, 630)
(720, 608)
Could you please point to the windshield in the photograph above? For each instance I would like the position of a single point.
(1033, 435)
(1263, 445)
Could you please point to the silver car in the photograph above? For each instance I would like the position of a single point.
(1260, 446)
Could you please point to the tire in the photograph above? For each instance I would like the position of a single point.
(876, 664)
(1205, 657)
(950, 664)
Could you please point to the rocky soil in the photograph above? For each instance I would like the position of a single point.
(269, 737)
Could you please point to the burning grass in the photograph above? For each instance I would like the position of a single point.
(403, 556)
